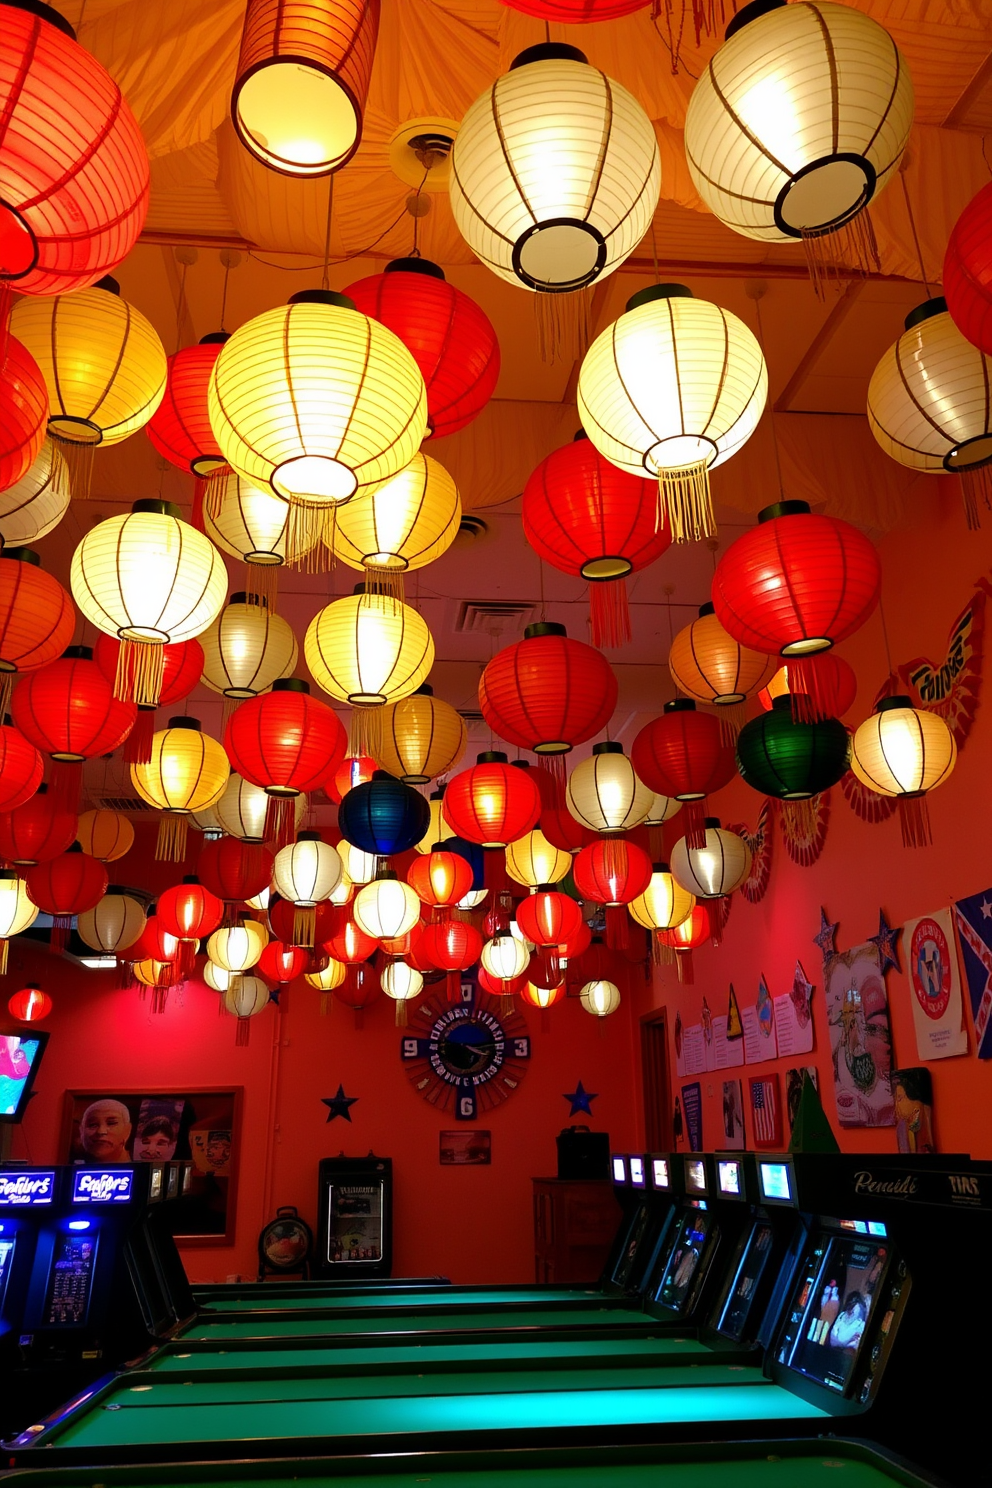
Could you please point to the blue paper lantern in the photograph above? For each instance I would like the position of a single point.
(383, 815)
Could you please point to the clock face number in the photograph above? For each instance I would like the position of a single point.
(470, 1057)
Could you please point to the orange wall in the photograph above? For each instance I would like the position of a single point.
(929, 570)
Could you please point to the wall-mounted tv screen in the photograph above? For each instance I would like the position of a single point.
(20, 1056)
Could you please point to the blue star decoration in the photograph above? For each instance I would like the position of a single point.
(826, 939)
(337, 1105)
(885, 941)
(580, 1100)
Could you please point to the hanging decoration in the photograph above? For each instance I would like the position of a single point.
(573, 13)
(929, 405)
(189, 911)
(187, 772)
(420, 737)
(36, 617)
(23, 412)
(349, 944)
(600, 998)
(866, 804)
(330, 976)
(449, 336)
(180, 429)
(904, 752)
(549, 918)
(792, 761)
(244, 998)
(236, 948)
(33, 506)
(305, 872)
(73, 165)
(687, 936)
(491, 803)
(387, 908)
(182, 666)
(592, 520)
(65, 886)
(796, 124)
(402, 983)
(253, 525)
(360, 866)
(438, 831)
(795, 585)
(282, 963)
(717, 868)
(440, 879)
(104, 834)
(18, 911)
(30, 1004)
(353, 770)
(383, 816)
(402, 526)
(67, 709)
(243, 809)
(967, 276)
(671, 390)
(682, 755)
(661, 906)
(828, 674)
(759, 844)
(547, 692)
(707, 664)
(805, 832)
(281, 914)
(613, 872)
(234, 871)
(604, 792)
(38, 831)
(21, 768)
(246, 648)
(533, 860)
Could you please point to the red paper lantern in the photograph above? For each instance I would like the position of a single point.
(547, 693)
(491, 803)
(594, 521)
(350, 945)
(21, 768)
(157, 943)
(833, 677)
(234, 870)
(611, 871)
(30, 1005)
(575, 945)
(563, 831)
(283, 963)
(180, 427)
(496, 987)
(189, 911)
(449, 337)
(182, 668)
(38, 831)
(360, 988)
(287, 742)
(440, 879)
(542, 997)
(23, 408)
(577, 12)
(74, 173)
(354, 769)
(328, 919)
(36, 614)
(68, 709)
(968, 271)
(450, 945)
(687, 937)
(65, 886)
(682, 754)
(548, 917)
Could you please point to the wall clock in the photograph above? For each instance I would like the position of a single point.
(468, 1056)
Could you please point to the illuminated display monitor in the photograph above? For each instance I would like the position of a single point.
(737, 1301)
(695, 1176)
(156, 1182)
(102, 1185)
(172, 1181)
(7, 1244)
(730, 1177)
(637, 1179)
(70, 1279)
(831, 1306)
(675, 1288)
(775, 1182)
(19, 1061)
(27, 1188)
(660, 1176)
(619, 1168)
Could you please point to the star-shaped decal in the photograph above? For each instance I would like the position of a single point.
(885, 941)
(827, 937)
(986, 910)
(337, 1105)
(581, 1100)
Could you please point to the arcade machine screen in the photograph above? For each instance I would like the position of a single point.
(695, 1176)
(675, 1288)
(730, 1178)
(354, 1223)
(619, 1168)
(19, 1061)
(70, 1279)
(637, 1178)
(831, 1306)
(6, 1257)
(623, 1270)
(660, 1178)
(749, 1265)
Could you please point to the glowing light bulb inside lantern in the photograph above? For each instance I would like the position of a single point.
(768, 112)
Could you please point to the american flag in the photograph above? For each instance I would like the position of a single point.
(765, 1110)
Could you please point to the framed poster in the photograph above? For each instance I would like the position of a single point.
(466, 1148)
(106, 1126)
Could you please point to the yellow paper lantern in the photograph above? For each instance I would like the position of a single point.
(244, 998)
(438, 831)
(554, 175)
(187, 772)
(334, 974)
(216, 978)
(799, 120)
(709, 665)
(671, 390)
(405, 524)
(904, 752)
(715, 869)
(236, 948)
(102, 362)
(240, 811)
(368, 649)
(505, 957)
(36, 504)
(305, 872)
(533, 860)
(247, 648)
(318, 403)
(159, 975)
(387, 908)
(251, 524)
(105, 835)
(17, 910)
(344, 890)
(601, 998)
(114, 924)
(604, 793)
(420, 737)
(664, 903)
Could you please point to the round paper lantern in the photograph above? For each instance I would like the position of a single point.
(662, 809)
(156, 943)
(350, 944)
(114, 924)
(386, 908)
(440, 879)
(282, 915)
(562, 830)
(21, 768)
(491, 804)
(149, 579)
(160, 976)
(438, 830)
(33, 506)
(420, 736)
(182, 664)
(576, 12)
(189, 911)
(554, 175)
(548, 918)
(600, 998)
(304, 872)
(505, 958)
(451, 945)
(302, 79)
(180, 428)
(244, 998)
(672, 389)
(833, 677)
(707, 663)
(789, 760)
(404, 525)
(236, 948)
(612, 871)
(65, 886)
(353, 770)
(29, 1005)
(383, 816)
(402, 983)
(604, 792)
(68, 710)
(104, 834)
(928, 405)
(368, 649)
(282, 963)
(318, 403)
(187, 772)
(904, 752)
(533, 860)
(664, 903)
(215, 977)
(247, 648)
(36, 614)
(287, 742)
(450, 338)
(715, 869)
(23, 412)
(329, 977)
(799, 120)
(547, 692)
(682, 755)
(967, 279)
(38, 831)
(360, 866)
(252, 524)
(233, 870)
(543, 997)
(102, 361)
(242, 810)
(17, 910)
(74, 173)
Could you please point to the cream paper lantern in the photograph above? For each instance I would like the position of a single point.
(305, 872)
(601, 998)
(250, 523)
(387, 908)
(604, 793)
(345, 889)
(246, 648)
(368, 649)
(360, 867)
(36, 504)
(554, 175)
(533, 860)
(904, 752)
(671, 390)
(472, 899)
(715, 869)
(244, 998)
(505, 957)
(404, 525)
(661, 810)
(114, 924)
(215, 977)
(240, 811)
(799, 120)
(420, 737)
(17, 910)
(402, 983)
(236, 948)
(664, 903)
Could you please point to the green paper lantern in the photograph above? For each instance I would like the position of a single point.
(788, 760)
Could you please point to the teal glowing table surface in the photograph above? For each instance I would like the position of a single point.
(400, 1299)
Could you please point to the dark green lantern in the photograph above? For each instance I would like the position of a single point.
(788, 760)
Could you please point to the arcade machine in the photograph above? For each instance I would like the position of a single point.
(644, 1192)
(354, 1217)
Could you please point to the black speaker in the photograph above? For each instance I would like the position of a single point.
(583, 1153)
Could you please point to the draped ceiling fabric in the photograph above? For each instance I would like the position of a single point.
(175, 61)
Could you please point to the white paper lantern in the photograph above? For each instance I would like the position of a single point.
(35, 504)
(247, 648)
(604, 793)
(240, 812)
(715, 869)
(387, 908)
(401, 982)
(505, 957)
(600, 998)
(250, 523)
(306, 871)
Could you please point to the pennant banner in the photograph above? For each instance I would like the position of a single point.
(938, 1014)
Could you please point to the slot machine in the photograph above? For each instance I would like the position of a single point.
(354, 1217)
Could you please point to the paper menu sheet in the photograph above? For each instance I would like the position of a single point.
(758, 1046)
(727, 1053)
(792, 1036)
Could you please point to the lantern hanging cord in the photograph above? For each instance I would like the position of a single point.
(181, 305)
(416, 220)
(758, 292)
(308, 268)
(223, 294)
(916, 237)
(327, 232)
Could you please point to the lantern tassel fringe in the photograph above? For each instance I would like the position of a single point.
(662, 953)
(732, 718)
(617, 927)
(3, 958)
(402, 1018)
(325, 1004)
(687, 503)
(365, 731)
(385, 581)
(262, 584)
(609, 612)
(812, 690)
(687, 975)
(851, 249)
(79, 465)
(693, 821)
(173, 831)
(914, 819)
(243, 1033)
(61, 926)
(140, 669)
(138, 744)
(304, 923)
(160, 996)
(801, 817)
(66, 783)
(280, 821)
(563, 325)
(555, 765)
(310, 536)
(213, 492)
(506, 1004)
(976, 485)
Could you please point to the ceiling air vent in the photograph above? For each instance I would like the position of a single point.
(471, 715)
(123, 803)
(493, 615)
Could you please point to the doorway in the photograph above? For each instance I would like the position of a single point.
(654, 1071)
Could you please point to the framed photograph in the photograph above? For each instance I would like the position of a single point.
(103, 1127)
(466, 1149)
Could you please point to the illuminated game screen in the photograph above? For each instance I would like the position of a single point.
(659, 1172)
(775, 1184)
(619, 1169)
(6, 1257)
(19, 1061)
(354, 1223)
(729, 1176)
(683, 1261)
(695, 1174)
(831, 1308)
(635, 1234)
(745, 1280)
(637, 1172)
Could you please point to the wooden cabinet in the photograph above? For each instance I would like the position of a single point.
(574, 1224)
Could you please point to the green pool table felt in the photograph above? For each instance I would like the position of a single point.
(441, 1297)
(408, 1321)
